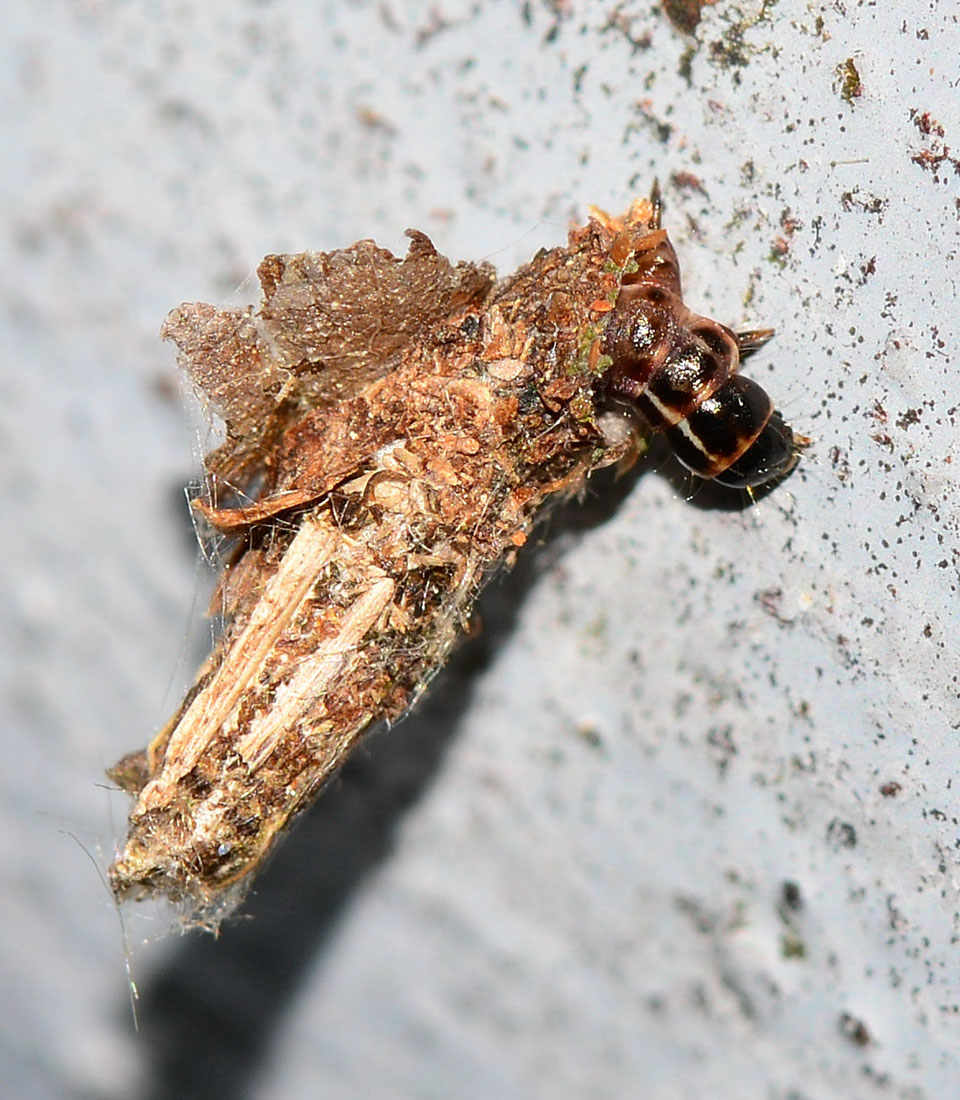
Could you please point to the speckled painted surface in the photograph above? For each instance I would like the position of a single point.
(681, 822)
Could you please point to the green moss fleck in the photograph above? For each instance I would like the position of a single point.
(851, 87)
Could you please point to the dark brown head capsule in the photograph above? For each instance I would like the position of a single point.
(680, 371)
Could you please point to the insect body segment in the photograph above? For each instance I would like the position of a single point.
(680, 371)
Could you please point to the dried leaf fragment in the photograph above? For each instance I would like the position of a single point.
(329, 323)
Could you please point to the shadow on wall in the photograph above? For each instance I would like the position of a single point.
(208, 1018)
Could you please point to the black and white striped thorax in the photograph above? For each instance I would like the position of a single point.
(679, 370)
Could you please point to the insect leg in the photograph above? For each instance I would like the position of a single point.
(753, 339)
(656, 201)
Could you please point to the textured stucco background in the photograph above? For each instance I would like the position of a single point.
(682, 821)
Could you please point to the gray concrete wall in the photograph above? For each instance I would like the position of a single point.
(565, 874)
